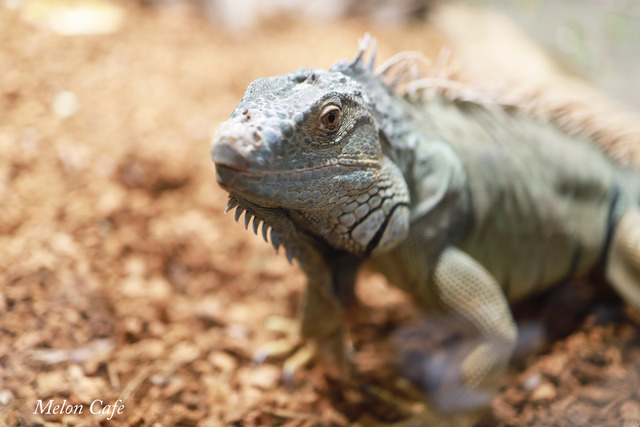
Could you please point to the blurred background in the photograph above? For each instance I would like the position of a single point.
(120, 278)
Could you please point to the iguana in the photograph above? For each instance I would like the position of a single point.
(464, 204)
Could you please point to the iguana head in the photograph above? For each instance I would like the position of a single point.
(307, 145)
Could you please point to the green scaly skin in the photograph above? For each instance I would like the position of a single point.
(464, 206)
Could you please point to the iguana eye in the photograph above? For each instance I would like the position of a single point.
(330, 118)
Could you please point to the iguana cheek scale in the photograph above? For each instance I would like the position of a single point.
(465, 205)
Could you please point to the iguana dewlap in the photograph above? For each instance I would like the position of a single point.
(463, 205)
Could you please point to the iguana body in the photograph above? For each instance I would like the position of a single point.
(462, 205)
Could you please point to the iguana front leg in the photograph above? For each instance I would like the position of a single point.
(330, 289)
(466, 380)
(330, 285)
(467, 290)
(319, 332)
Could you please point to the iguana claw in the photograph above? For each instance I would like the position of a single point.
(298, 352)
(291, 346)
(299, 359)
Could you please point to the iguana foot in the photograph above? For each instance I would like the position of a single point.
(299, 352)
(279, 348)
(299, 359)
(442, 358)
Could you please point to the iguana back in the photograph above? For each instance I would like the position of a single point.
(547, 201)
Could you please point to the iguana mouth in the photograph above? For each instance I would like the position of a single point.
(233, 177)
(346, 162)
